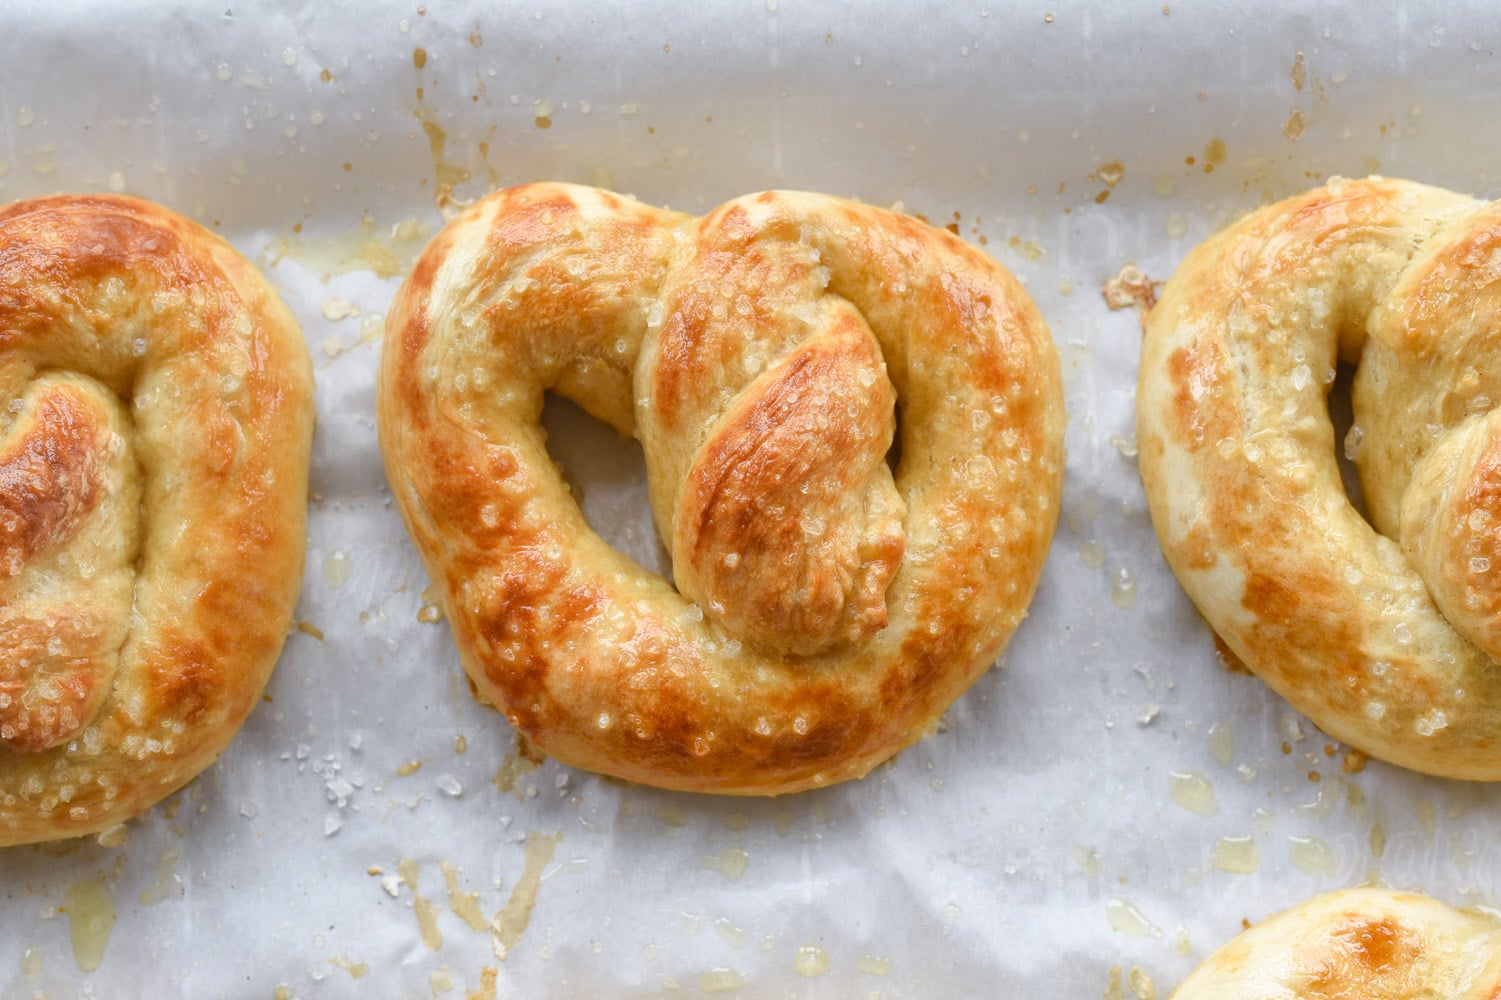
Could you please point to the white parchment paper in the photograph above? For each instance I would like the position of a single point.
(1036, 846)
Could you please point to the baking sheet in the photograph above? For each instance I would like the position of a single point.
(1096, 815)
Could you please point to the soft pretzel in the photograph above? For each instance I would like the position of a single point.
(153, 485)
(1386, 638)
(1357, 944)
(827, 611)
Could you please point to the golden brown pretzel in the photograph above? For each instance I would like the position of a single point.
(1387, 641)
(829, 613)
(153, 486)
(1357, 944)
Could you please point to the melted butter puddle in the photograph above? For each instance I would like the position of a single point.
(372, 328)
(720, 981)
(1312, 856)
(1237, 855)
(1141, 984)
(465, 905)
(446, 174)
(91, 918)
(31, 964)
(1193, 792)
(1323, 802)
(167, 883)
(336, 569)
(507, 926)
(513, 767)
(486, 989)
(372, 331)
(1126, 919)
(1113, 985)
(733, 936)
(387, 254)
(811, 961)
(731, 864)
(426, 910)
(1222, 743)
(1088, 861)
(873, 965)
(356, 970)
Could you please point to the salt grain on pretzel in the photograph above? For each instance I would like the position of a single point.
(153, 485)
(826, 610)
(1386, 637)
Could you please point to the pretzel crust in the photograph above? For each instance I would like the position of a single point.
(1384, 636)
(153, 489)
(1370, 943)
(832, 611)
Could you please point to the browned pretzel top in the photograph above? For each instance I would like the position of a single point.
(1375, 944)
(1385, 633)
(826, 610)
(153, 484)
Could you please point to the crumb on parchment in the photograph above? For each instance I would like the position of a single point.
(1131, 287)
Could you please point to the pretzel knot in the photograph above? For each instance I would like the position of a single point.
(826, 610)
(153, 484)
(1372, 943)
(1387, 638)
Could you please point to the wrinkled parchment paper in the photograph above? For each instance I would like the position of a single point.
(1095, 816)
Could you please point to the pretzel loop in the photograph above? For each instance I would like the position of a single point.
(153, 482)
(68, 540)
(1383, 633)
(827, 609)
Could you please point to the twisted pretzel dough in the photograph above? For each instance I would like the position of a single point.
(1357, 944)
(829, 613)
(1387, 641)
(153, 484)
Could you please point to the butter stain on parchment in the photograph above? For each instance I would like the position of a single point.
(91, 918)
(425, 909)
(507, 926)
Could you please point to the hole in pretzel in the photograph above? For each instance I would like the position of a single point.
(607, 476)
(1346, 437)
(894, 453)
